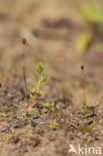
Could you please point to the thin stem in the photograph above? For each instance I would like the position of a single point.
(24, 77)
(39, 83)
(84, 89)
(24, 72)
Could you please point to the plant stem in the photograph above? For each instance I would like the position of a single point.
(84, 86)
(24, 68)
(24, 77)
(83, 81)
(39, 83)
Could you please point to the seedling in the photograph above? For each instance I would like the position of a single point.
(85, 105)
(53, 125)
(52, 109)
(89, 128)
(56, 115)
(94, 124)
(27, 114)
(49, 106)
(36, 91)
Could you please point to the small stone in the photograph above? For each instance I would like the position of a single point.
(33, 123)
(19, 124)
(14, 140)
(16, 125)
(5, 129)
(37, 142)
(44, 110)
(35, 116)
(71, 137)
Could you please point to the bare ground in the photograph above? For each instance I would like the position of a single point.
(51, 29)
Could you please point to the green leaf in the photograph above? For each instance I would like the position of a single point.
(85, 105)
(32, 96)
(40, 68)
(27, 114)
(83, 43)
(43, 78)
(53, 125)
(32, 88)
(48, 104)
(5, 115)
(38, 93)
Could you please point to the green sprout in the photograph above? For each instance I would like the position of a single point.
(36, 91)
(53, 125)
(53, 110)
(50, 106)
(85, 106)
(40, 68)
(94, 124)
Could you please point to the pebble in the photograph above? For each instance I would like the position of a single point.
(19, 124)
(14, 140)
(5, 129)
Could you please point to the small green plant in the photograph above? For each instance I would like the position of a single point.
(26, 114)
(95, 123)
(52, 109)
(49, 106)
(36, 91)
(53, 125)
(85, 105)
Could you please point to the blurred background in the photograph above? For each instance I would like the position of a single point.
(63, 34)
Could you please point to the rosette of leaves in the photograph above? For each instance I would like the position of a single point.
(36, 91)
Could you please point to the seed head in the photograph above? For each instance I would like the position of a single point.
(24, 41)
(82, 67)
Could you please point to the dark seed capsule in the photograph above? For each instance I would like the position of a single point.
(82, 67)
(24, 41)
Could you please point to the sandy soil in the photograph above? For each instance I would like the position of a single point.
(51, 29)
